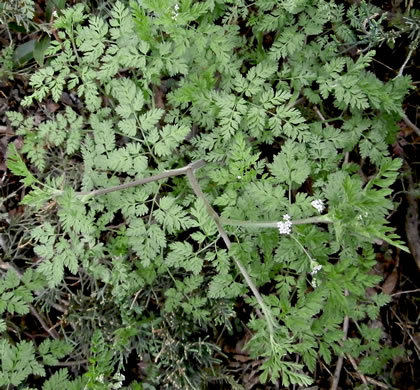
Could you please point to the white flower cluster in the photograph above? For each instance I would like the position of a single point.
(316, 267)
(119, 378)
(175, 12)
(285, 226)
(318, 204)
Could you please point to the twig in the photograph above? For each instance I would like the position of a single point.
(366, 379)
(416, 346)
(51, 332)
(376, 383)
(411, 124)
(6, 130)
(319, 113)
(405, 292)
(135, 298)
(405, 62)
(356, 368)
(337, 373)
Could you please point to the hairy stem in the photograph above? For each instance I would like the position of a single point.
(197, 190)
(160, 176)
(273, 224)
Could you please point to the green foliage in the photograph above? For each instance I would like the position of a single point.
(52, 350)
(65, 131)
(16, 292)
(18, 167)
(159, 84)
(6, 62)
(18, 362)
(101, 366)
(376, 354)
(21, 12)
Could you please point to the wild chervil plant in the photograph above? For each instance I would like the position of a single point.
(213, 150)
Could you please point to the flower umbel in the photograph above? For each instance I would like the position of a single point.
(285, 226)
(175, 11)
(316, 267)
(319, 205)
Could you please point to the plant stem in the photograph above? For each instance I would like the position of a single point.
(400, 73)
(303, 248)
(273, 224)
(174, 172)
(189, 172)
(197, 190)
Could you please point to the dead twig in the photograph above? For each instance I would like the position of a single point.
(405, 292)
(356, 368)
(401, 324)
(319, 113)
(411, 125)
(366, 379)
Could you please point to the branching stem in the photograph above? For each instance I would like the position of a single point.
(197, 190)
(220, 221)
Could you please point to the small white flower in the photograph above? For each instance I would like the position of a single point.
(316, 269)
(318, 204)
(285, 226)
(362, 216)
(119, 378)
(239, 177)
(175, 11)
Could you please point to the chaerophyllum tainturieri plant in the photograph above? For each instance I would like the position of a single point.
(199, 167)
